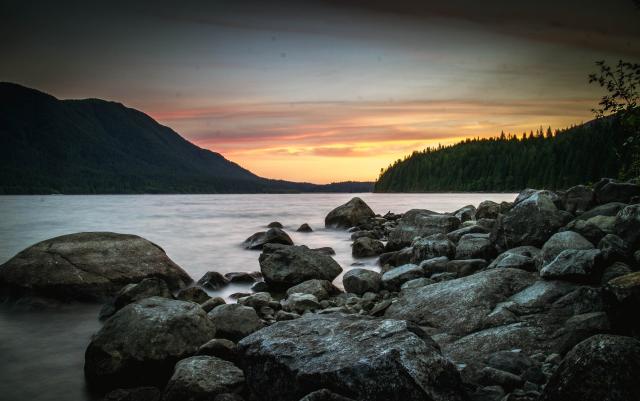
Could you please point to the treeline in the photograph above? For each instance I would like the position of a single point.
(544, 159)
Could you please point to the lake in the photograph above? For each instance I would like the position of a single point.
(43, 351)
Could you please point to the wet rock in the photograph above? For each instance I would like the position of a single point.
(616, 192)
(211, 303)
(366, 247)
(562, 241)
(271, 236)
(286, 266)
(455, 236)
(141, 342)
(149, 287)
(260, 286)
(321, 289)
(234, 321)
(326, 250)
(396, 258)
(531, 222)
(90, 266)
(304, 228)
(352, 213)
(488, 210)
(578, 199)
(350, 355)
(359, 281)
(432, 246)
(575, 265)
(365, 233)
(434, 266)
(193, 294)
(300, 303)
(394, 278)
(475, 246)
(220, 348)
(243, 277)
(420, 223)
(202, 378)
(601, 368)
(515, 362)
(213, 280)
(274, 224)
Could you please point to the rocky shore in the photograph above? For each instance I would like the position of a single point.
(536, 299)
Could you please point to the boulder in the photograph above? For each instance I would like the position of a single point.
(465, 213)
(397, 258)
(202, 378)
(523, 258)
(607, 210)
(614, 249)
(475, 246)
(274, 224)
(575, 265)
(272, 236)
(488, 210)
(300, 303)
(324, 395)
(394, 278)
(141, 343)
(211, 303)
(627, 225)
(359, 281)
(601, 368)
(578, 199)
(433, 246)
(455, 235)
(321, 289)
(243, 277)
(285, 266)
(616, 192)
(366, 247)
(460, 306)
(530, 222)
(147, 288)
(220, 348)
(351, 214)
(304, 228)
(362, 358)
(617, 269)
(465, 267)
(562, 241)
(256, 301)
(91, 266)
(435, 266)
(234, 321)
(588, 229)
(421, 223)
(415, 283)
(193, 294)
(213, 280)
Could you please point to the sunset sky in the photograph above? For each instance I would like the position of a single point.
(327, 90)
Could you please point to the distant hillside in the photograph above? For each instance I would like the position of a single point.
(95, 146)
(576, 155)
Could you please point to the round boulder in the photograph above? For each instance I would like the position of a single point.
(201, 378)
(141, 343)
(285, 266)
(304, 228)
(274, 235)
(234, 321)
(87, 267)
(366, 247)
(561, 241)
(352, 213)
(359, 281)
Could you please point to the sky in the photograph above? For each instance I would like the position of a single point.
(324, 91)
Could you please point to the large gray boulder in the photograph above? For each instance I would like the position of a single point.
(575, 265)
(562, 241)
(461, 306)
(359, 281)
(421, 223)
(465, 213)
(202, 378)
(274, 235)
(530, 222)
(601, 368)
(475, 246)
(488, 210)
(364, 359)
(234, 321)
(87, 267)
(432, 246)
(351, 214)
(141, 343)
(285, 266)
(627, 225)
(394, 278)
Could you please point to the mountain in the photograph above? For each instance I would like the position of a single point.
(572, 156)
(49, 145)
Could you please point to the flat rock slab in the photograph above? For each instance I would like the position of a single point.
(360, 358)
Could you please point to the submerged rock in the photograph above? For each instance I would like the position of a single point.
(285, 266)
(352, 213)
(304, 228)
(87, 267)
(213, 280)
(141, 342)
(363, 359)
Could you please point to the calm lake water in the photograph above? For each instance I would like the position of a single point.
(42, 352)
